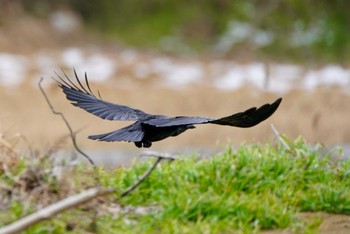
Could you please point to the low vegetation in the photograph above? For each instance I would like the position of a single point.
(246, 190)
(299, 31)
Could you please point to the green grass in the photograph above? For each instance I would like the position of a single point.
(246, 190)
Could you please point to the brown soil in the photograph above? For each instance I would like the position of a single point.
(327, 223)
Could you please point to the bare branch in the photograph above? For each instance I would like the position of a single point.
(278, 136)
(141, 179)
(160, 157)
(72, 133)
(52, 210)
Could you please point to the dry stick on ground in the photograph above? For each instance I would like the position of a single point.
(72, 133)
(75, 200)
(54, 209)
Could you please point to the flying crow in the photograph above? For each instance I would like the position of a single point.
(149, 128)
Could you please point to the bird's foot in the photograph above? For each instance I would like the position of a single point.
(147, 144)
(140, 144)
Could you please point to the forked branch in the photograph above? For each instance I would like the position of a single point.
(71, 132)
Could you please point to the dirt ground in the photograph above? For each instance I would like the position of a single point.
(329, 224)
(320, 116)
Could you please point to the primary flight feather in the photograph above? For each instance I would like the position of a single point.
(149, 128)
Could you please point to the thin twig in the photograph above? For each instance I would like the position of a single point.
(278, 136)
(72, 133)
(160, 157)
(142, 178)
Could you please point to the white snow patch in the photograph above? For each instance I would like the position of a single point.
(283, 77)
(176, 74)
(231, 80)
(65, 21)
(182, 74)
(255, 74)
(98, 67)
(331, 75)
(13, 69)
(128, 56)
(45, 63)
(239, 75)
(72, 57)
(142, 70)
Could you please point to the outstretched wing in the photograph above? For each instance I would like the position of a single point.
(246, 119)
(83, 97)
(129, 133)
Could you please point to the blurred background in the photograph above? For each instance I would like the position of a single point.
(210, 58)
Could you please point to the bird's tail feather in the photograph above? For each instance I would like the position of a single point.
(250, 117)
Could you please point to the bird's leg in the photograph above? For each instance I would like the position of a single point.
(138, 144)
(141, 144)
(147, 144)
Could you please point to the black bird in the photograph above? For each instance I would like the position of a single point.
(149, 128)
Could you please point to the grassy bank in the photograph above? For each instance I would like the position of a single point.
(253, 188)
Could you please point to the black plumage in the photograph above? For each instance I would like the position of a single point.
(149, 128)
